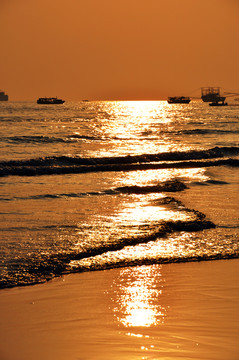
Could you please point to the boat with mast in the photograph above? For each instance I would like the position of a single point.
(213, 96)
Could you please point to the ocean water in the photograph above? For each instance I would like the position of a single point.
(97, 185)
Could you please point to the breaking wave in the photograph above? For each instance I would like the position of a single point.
(216, 156)
(168, 186)
(41, 267)
(207, 131)
(48, 140)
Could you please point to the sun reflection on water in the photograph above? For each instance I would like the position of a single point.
(153, 177)
(141, 111)
(134, 121)
(138, 297)
(143, 211)
(137, 122)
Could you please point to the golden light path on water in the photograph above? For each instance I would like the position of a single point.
(139, 289)
(153, 177)
(131, 216)
(144, 208)
(138, 122)
(138, 293)
(139, 215)
(138, 301)
(140, 112)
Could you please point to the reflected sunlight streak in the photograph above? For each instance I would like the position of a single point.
(154, 177)
(139, 127)
(138, 214)
(143, 211)
(137, 122)
(138, 303)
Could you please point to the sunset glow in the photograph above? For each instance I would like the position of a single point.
(117, 50)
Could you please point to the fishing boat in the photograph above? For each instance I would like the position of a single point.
(212, 95)
(50, 100)
(3, 96)
(179, 100)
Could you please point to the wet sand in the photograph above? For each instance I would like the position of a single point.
(171, 311)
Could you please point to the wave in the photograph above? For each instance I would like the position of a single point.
(216, 156)
(210, 182)
(74, 138)
(47, 269)
(40, 267)
(167, 186)
(38, 228)
(206, 131)
(117, 251)
(83, 266)
(47, 139)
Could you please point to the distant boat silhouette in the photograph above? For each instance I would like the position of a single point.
(3, 96)
(179, 100)
(50, 100)
(212, 95)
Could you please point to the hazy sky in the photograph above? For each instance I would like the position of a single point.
(117, 49)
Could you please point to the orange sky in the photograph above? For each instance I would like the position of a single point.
(117, 49)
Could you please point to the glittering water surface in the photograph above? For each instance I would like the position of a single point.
(137, 301)
(95, 185)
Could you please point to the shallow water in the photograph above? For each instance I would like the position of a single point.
(94, 185)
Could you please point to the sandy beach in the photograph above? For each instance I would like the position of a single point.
(171, 311)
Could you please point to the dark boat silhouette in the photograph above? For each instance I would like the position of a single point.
(179, 100)
(3, 96)
(50, 100)
(213, 95)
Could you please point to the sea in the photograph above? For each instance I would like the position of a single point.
(96, 185)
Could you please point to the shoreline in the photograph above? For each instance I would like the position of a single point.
(169, 311)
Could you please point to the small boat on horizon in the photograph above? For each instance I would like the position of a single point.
(3, 96)
(179, 100)
(50, 100)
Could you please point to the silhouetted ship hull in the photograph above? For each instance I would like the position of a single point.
(179, 100)
(212, 95)
(218, 104)
(53, 100)
(3, 96)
